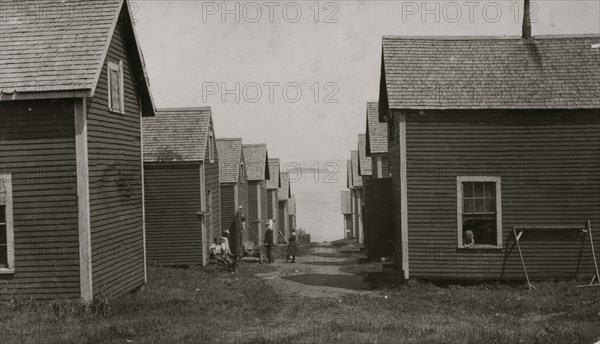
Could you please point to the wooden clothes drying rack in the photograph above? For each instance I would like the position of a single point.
(587, 229)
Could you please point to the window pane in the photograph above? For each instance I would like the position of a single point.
(479, 205)
(490, 205)
(3, 238)
(478, 190)
(115, 90)
(490, 190)
(483, 228)
(468, 206)
(468, 189)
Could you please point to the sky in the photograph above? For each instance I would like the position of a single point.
(297, 74)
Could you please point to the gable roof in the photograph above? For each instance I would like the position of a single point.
(292, 205)
(275, 181)
(356, 179)
(62, 54)
(552, 72)
(377, 136)
(256, 158)
(285, 190)
(176, 135)
(346, 202)
(231, 158)
(365, 166)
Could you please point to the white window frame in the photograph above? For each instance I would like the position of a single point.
(118, 67)
(459, 209)
(10, 235)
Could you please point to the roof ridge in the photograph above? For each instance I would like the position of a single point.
(185, 109)
(488, 37)
(255, 145)
(229, 139)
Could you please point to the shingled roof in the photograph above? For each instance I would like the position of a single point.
(365, 166)
(176, 135)
(57, 48)
(256, 158)
(552, 72)
(377, 140)
(346, 202)
(285, 190)
(231, 157)
(275, 181)
(356, 179)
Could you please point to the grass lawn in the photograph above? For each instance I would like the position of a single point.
(212, 306)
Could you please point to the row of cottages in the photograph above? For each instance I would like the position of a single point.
(73, 91)
(377, 198)
(181, 169)
(234, 189)
(494, 147)
(256, 158)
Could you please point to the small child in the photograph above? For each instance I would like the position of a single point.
(469, 238)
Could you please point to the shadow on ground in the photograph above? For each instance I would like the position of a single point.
(351, 282)
(324, 263)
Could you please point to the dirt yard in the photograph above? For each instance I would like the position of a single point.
(325, 297)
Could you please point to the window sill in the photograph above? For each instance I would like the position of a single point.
(6, 271)
(115, 111)
(480, 247)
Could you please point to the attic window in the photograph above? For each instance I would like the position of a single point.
(116, 102)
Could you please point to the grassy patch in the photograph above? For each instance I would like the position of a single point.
(211, 306)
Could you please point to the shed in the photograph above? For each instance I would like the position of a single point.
(346, 207)
(489, 134)
(273, 185)
(73, 89)
(284, 193)
(182, 178)
(257, 172)
(377, 142)
(234, 188)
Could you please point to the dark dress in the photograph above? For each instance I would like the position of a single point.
(292, 248)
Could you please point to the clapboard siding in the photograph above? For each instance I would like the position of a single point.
(549, 164)
(394, 164)
(114, 153)
(173, 231)
(211, 175)
(243, 201)
(283, 219)
(227, 206)
(37, 146)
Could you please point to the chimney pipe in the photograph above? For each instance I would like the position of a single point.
(526, 22)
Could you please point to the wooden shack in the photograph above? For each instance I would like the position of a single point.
(234, 187)
(273, 185)
(284, 194)
(378, 209)
(71, 194)
(346, 208)
(355, 185)
(182, 178)
(292, 211)
(257, 172)
(496, 134)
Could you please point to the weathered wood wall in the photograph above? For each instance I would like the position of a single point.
(549, 164)
(37, 146)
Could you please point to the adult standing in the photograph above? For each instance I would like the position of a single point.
(269, 242)
(292, 248)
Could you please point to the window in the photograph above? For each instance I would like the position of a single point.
(479, 205)
(7, 254)
(116, 101)
(211, 147)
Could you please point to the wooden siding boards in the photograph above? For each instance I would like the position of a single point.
(549, 162)
(48, 227)
(44, 196)
(116, 181)
(173, 232)
(257, 172)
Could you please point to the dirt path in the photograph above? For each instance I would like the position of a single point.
(317, 274)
